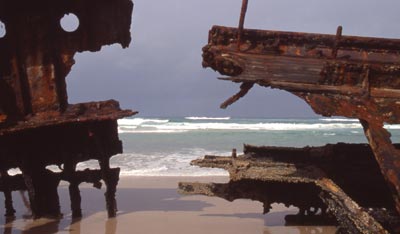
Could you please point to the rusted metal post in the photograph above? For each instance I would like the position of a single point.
(234, 154)
(337, 41)
(241, 22)
(74, 193)
(110, 178)
(8, 202)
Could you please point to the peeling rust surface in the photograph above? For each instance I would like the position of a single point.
(337, 75)
(37, 54)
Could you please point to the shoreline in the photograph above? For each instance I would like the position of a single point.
(150, 204)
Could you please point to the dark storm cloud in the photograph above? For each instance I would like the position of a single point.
(160, 74)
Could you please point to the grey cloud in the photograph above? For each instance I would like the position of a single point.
(161, 74)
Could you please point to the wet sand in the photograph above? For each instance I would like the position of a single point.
(152, 205)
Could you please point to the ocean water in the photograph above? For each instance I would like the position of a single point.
(165, 146)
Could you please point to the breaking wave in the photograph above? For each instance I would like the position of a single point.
(208, 118)
(141, 125)
(339, 120)
(161, 164)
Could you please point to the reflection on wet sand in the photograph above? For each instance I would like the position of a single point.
(8, 225)
(75, 226)
(299, 230)
(158, 208)
(111, 226)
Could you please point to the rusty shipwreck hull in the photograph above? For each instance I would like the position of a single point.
(355, 77)
(328, 69)
(337, 184)
(38, 127)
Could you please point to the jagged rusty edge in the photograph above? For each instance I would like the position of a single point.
(244, 89)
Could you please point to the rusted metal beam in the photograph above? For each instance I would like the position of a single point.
(244, 89)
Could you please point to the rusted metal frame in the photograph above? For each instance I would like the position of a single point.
(221, 36)
(105, 131)
(379, 101)
(82, 112)
(17, 183)
(35, 69)
(363, 89)
(89, 176)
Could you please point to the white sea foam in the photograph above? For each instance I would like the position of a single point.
(121, 130)
(178, 127)
(392, 126)
(338, 120)
(139, 121)
(165, 164)
(208, 118)
(14, 171)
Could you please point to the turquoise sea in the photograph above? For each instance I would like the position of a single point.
(165, 146)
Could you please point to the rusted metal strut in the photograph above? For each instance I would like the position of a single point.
(355, 77)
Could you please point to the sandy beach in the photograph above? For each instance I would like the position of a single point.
(152, 205)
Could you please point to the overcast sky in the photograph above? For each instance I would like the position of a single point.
(160, 74)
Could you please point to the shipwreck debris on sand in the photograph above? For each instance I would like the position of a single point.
(337, 75)
(334, 184)
(38, 127)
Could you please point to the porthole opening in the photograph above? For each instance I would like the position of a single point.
(69, 22)
(2, 29)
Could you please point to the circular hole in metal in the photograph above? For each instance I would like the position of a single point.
(69, 22)
(2, 29)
